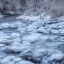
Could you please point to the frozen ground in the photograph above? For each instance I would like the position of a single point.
(31, 40)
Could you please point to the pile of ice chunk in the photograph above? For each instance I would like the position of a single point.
(32, 40)
(14, 60)
(29, 18)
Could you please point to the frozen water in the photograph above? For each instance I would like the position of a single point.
(31, 37)
(56, 56)
(29, 18)
(32, 40)
(15, 35)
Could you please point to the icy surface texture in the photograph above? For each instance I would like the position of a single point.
(31, 40)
